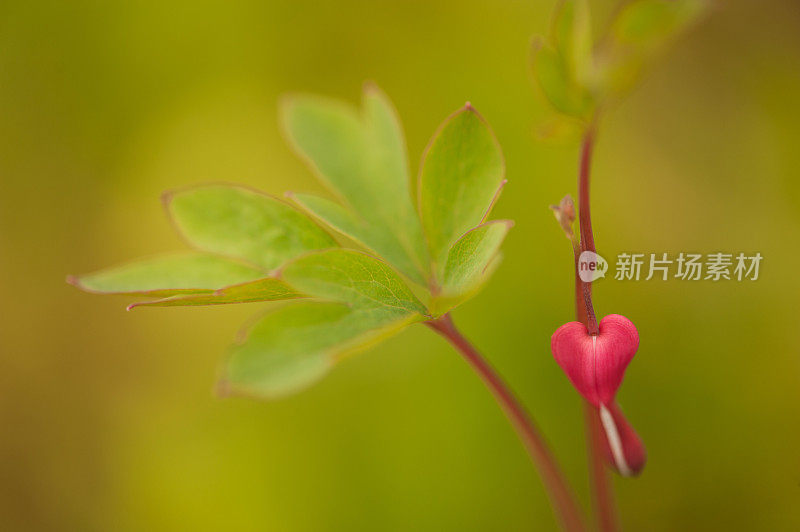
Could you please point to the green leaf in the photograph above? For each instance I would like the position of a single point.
(292, 347)
(572, 35)
(296, 345)
(335, 216)
(470, 263)
(168, 275)
(244, 224)
(267, 289)
(642, 31)
(345, 222)
(461, 177)
(361, 157)
(352, 277)
(649, 23)
(552, 73)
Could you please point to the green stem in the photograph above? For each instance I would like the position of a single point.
(561, 497)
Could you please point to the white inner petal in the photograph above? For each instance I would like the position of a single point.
(614, 441)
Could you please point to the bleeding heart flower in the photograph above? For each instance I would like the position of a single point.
(596, 364)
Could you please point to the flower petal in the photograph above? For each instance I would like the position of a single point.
(624, 450)
(596, 364)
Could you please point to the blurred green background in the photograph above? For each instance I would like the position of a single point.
(108, 418)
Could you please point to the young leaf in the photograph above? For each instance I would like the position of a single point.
(555, 80)
(244, 224)
(640, 32)
(352, 277)
(292, 347)
(470, 263)
(572, 35)
(362, 158)
(649, 23)
(462, 174)
(169, 275)
(267, 289)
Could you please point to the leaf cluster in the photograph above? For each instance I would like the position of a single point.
(355, 267)
(579, 74)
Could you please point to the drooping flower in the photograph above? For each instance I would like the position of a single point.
(595, 364)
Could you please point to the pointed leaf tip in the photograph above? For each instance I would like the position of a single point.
(370, 86)
(166, 198)
(223, 388)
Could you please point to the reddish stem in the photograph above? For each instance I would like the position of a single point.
(602, 493)
(585, 221)
(587, 238)
(563, 501)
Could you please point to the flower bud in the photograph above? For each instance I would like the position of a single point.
(565, 215)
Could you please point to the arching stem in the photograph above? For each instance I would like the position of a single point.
(561, 497)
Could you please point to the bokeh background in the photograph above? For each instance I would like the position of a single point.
(107, 418)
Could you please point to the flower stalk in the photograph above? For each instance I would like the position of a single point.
(585, 224)
(599, 478)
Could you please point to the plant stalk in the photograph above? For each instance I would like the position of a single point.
(599, 477)
(585, 222)
(602, 492)
(561, 497)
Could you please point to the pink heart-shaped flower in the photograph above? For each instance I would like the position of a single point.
(596, 364)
